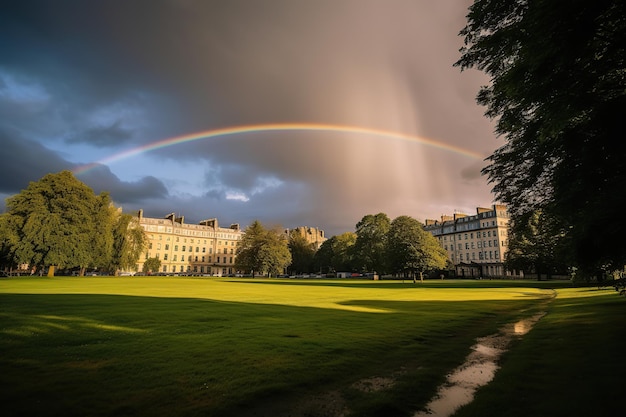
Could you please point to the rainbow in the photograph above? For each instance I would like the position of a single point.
(275, 127)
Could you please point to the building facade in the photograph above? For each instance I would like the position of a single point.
(190, 249)
(312, 235)
(476, 244)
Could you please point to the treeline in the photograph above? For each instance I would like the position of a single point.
(378, 245)
(59, 223)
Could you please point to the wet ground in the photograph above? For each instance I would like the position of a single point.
(478, 369)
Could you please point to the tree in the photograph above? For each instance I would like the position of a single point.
(152, 265)
(336, 254)
(558, 92)
(371, 242)
(302, 253)
(129, 242)
(58, 221)
(534, 247)
(343, 252)
(411, 250)
(262, 251)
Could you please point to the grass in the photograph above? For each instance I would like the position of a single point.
(217, 347)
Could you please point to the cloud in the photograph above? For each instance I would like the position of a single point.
(24, 160)
(101, 179)
(73, 91)
(103, 136)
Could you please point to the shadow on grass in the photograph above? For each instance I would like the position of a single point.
(396, 284)
(107, 355)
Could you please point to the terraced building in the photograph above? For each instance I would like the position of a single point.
(190, 249)
(475, 243)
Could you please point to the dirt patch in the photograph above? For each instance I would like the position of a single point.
(374, 384)
(330, 404)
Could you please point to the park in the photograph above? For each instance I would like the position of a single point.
(164, 346)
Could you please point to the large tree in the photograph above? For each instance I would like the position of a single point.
(336, 254)
(129, 242)
(302, 253)
(58, 221)
(371, 241)
(533, 247)
(558, 93)
(262, 251)
(411, 250)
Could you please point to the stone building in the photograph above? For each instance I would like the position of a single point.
(190, 249)
(311, 234)
(476, 244)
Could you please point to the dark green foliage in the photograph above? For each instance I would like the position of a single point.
(558, 92)
(534, 246)
(411, 250)
(152, 265)
(58, 221)
(129, 242)
(262, 251)
(302, 253)
(371, 242)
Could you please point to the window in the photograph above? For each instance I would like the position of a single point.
(167, 247)
(183, 248)
(176, 247)
(165, 257)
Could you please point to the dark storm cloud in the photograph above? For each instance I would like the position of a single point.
(101, 77)
(101, 179)
(103, 136)
(24, 161)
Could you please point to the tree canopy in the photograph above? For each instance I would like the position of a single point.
(558, 94)
(262, 251)
(59, 221)
(412, 250)
(371, 242)
(302, 253)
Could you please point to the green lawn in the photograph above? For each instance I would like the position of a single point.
(232, 347)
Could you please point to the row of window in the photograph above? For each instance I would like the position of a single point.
(191, 258)
(482, 256)
(219, 243)
(191, 248)
(197, 270)
(480, 244)
(484, 234)
(209, 234)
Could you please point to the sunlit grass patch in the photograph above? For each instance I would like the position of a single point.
(182, 346)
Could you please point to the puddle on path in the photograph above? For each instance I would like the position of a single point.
(479, 368)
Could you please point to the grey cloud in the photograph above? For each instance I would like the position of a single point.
(103, 136)
(24, 161)
(124, 74)
(102, 179)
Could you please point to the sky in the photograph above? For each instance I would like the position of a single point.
(291, 112)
